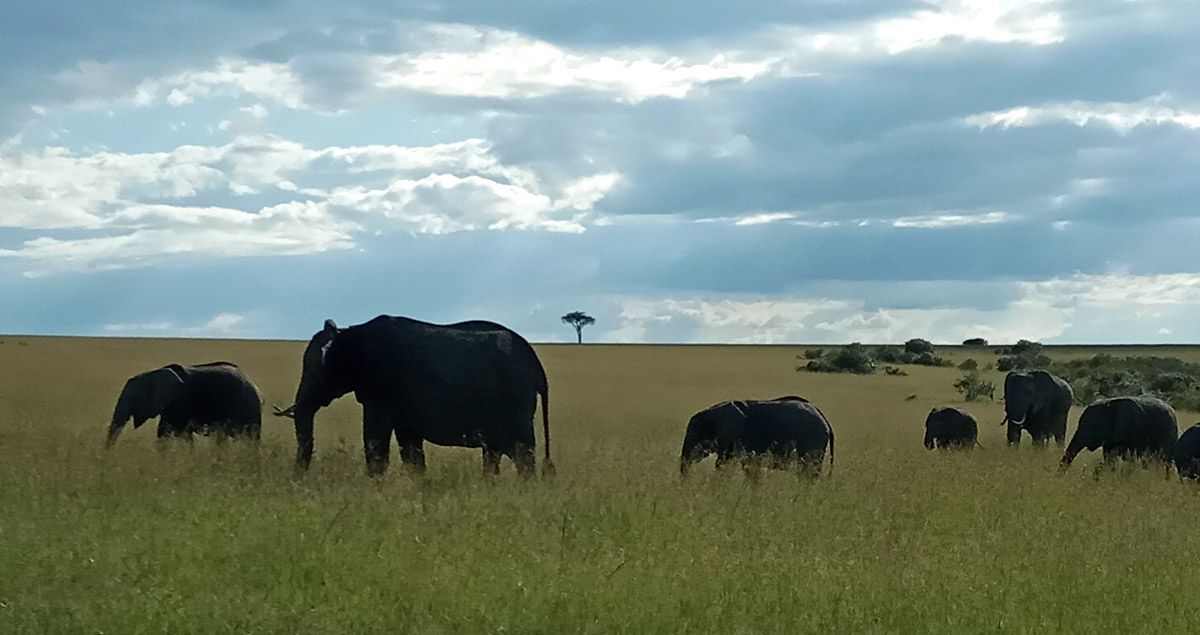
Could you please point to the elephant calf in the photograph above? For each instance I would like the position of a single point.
(950, 428)
(1187, 454)
(1126, 427)
(216, 397)
(788, 430)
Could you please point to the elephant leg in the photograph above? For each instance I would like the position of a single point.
(809, 465)
(524, 458)
(412, 452)
(491, 461)
(376, 450)
(752, 466)
(1014, 435)
(377, 439)
(723, 457)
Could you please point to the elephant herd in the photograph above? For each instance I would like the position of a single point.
(1038, 402)
(475, 384)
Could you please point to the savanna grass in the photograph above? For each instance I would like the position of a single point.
(207, 538)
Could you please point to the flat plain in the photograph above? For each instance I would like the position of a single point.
(203, 538)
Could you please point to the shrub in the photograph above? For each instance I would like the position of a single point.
(854, 358)
(973, 387)
(890, 355)
(1023, 362)
(1024, 355)
(969, 364)
(1102, 376)
(894, 370)
(813, 353)
(915, 351)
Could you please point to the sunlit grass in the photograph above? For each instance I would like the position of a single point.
(206, 539)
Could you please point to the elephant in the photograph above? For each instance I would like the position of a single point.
(216, 397)
(788, 429)
(1186, 455)
(1038, 403)
(1126, 427)
(951, 428)
(471, 384)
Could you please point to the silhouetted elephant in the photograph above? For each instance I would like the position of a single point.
(950, 428)
(471, 384)
(216, 397)
(1126, 427)
(1187, 454)
(787, 430)
(1037, 402)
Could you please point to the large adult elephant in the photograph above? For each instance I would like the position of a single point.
(1186, 455)
(471, 384)
(788, 431)
(1038, 403)
(208, 398)
(1126, 427)
(951, 428)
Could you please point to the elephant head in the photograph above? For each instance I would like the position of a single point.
(321, 381)
(1025, 394)
(1098, 424)
(145, 397)
(931, 426)
(715, 429)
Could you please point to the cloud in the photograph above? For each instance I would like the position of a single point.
(139, 206)
(221, 325)
(950, 220)
(1059, 309)
(476, 62)
(1117, 116)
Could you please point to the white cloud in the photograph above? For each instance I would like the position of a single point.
(479, 62)
(230, 77)
(137, 205)
(937, 221)
(1000, 21)
(764, 218)
(145, 232)
(1059, 308)
(1119, 116)
(221, 325)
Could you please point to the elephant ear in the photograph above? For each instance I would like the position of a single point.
(157, 390)
(730, 419)
(329, 332)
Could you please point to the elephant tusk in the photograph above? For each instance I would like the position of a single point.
(290, 412)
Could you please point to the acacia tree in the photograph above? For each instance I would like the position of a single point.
(578, 319)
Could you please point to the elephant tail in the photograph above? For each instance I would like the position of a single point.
(830, 450)
(548, 466)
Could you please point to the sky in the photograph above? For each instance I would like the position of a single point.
(781, 171)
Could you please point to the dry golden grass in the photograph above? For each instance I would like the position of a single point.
(217, 539)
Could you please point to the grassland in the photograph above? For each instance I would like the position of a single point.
(206, 539)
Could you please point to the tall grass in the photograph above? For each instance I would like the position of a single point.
(207, 538)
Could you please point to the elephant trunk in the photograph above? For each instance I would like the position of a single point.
(1073, 448)
(692, 451)
(928, 440)
(303, 417)
(121, 415)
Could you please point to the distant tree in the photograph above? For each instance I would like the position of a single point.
(975, 341)
(578, 320)
(917, 346)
